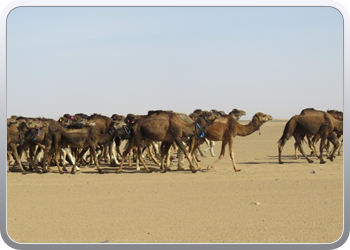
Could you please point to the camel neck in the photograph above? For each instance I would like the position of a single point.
(338, 126)
(251, 127)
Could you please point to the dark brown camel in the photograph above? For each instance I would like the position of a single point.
(164, 126)
(46, 139)
(225, 129)
(19, 132)
(101, 124)
(87, 137)
(311, 125)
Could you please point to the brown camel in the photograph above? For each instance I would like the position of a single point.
(312, 140)
(339, 116)
(130, 120)
(225, 129)
(86, 137)
(165, 126)
(236, 114)
(311, 125)
(101, 124)
(19, 132)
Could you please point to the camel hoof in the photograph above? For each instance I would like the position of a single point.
(310, 161)
(238, 170)
(330, 158)
(72, 172)
(100, 171)
(281, 162)
(322, 162)
(194, 171)
(181, 168)
(162, 171)
(23, 173)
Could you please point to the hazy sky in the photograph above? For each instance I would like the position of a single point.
(119, 60)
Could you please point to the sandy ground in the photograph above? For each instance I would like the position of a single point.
(264, 203)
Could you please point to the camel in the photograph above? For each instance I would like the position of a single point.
(339, 116)
(236, 114)
(225, 129)
(311, 125)
(130, 120)
(19, 132)
(101, 124)
(165, 126)
(86, 137)
(313, 139)
(186, 140)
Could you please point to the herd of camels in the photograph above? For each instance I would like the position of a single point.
(71, 138)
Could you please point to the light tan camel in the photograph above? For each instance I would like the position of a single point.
(310, 125)
(225, 129)
(236, 114)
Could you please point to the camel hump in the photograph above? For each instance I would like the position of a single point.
(158, 112)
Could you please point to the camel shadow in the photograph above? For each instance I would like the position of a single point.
(28, 171)
(258, 162)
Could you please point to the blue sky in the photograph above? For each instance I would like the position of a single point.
(119, 60)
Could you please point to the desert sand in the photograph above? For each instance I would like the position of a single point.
(266, 202)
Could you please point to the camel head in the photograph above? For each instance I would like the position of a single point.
(11, 121)
(118, 128)
(260, 118)
(117, 117)
(33, 123)
(204, 120)
(80, 117)
(131, 119)
(237, 114)
(63, 120)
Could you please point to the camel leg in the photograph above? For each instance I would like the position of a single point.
(152, 157)
(295, 150)
(69, 153)
(131, 156)
(165, 157)
(230, 147)
(187, 154)
(139, 154)
(212, 143)
(94, 157)
(334, 140)
(112, 154)
(281, 144)
(28, 155)
(322, 144)
(15, 154)
(341, 144)
(194, 144)
(312, 145)
(56, 159)
(127, 150)
(179, 158)
(222, 154)
(298, 141)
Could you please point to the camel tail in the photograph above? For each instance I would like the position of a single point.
(287, 132)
